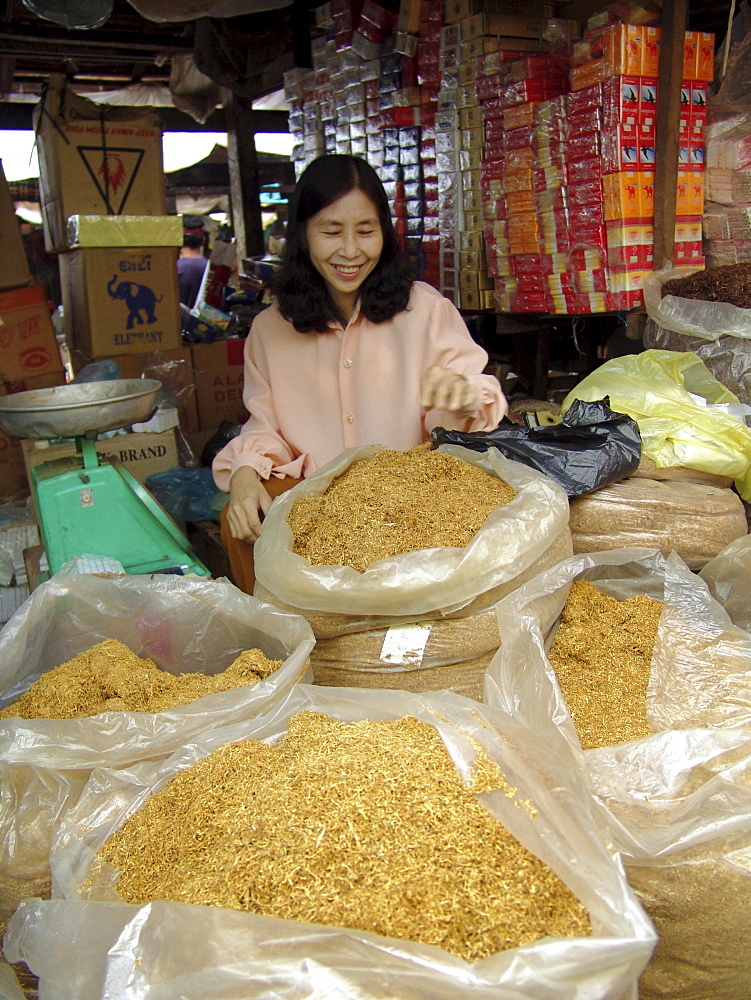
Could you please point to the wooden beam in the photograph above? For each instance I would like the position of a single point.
(243, 177)
(15, 115)
(674, 19)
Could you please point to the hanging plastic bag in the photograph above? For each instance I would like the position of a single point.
(680, 409)
(184, 625)
(200, 951)
(591, 447)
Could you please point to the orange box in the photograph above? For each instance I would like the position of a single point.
(651, 51)
(624, 50)
(588, 74)
(690, 55)
(622, 195)
(647, 194)
(705, 56)
(27, 338)
(689, 192)
(696, 192)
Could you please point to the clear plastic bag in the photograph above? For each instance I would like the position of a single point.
(425, 581)
(699, 674)
(676, 805)
(728, 577)
(184, 625)
(84, 938)
(685, 415)
(706, 320)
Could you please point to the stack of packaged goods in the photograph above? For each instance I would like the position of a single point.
(371, 94)
(399, 88)
(520, 180)
(727, 214)
(522, 172)
(629, 117)
(447, 142)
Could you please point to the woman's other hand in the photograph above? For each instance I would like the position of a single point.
(446, 389)
(248, 504)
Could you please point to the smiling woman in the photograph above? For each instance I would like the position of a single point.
(352, 352)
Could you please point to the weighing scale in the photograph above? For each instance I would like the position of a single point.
(89, 504)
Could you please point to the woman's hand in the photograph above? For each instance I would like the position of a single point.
(445, 389)
(248, 504)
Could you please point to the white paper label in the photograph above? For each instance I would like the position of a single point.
(405, 644)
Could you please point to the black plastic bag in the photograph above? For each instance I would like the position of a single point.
(591, 447)
(222, 436)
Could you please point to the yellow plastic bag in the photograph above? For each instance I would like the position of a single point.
(683, 412)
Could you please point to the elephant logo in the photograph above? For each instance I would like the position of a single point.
(138, 298)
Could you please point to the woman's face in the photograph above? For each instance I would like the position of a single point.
(344, 242)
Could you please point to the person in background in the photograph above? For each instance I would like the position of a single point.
(352, 352)
(191, 263)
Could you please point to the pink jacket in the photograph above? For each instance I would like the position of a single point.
(311, 395)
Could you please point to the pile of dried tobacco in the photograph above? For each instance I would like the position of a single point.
(723, 283)
(395, 502)
(109, 677)
(602, 655)
(365, 825)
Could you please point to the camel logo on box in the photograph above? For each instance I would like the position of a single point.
(113, 171)
(139, 300)
(33, 358)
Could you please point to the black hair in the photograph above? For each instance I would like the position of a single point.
(193, 232)
(301, 293)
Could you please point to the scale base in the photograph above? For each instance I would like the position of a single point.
(100, 509)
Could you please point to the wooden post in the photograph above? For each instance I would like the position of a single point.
(243, 177)
(674, 18)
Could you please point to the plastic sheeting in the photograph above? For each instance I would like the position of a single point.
(425, 581)
(184, 625)
(88, 945)
(685, 416)
(728, 577)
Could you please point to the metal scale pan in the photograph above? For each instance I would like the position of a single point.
(82, 410)
(91, 505)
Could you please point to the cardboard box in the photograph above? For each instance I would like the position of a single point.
(142, 454)
(15, 269)
(28, 345)
(95, 159)
(178, 375)
(121, 301)
(219, 376)
(14, 483)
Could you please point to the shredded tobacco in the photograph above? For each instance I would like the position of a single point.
(395, 502)
(602, 656)
(109, 677)
(365, 825)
